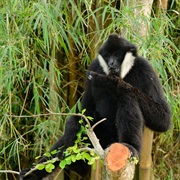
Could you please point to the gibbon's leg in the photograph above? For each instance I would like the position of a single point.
(129, 124)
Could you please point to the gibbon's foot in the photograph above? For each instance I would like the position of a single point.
(117, 157)
(35, 175)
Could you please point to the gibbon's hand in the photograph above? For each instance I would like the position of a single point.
(105, 81)
(96, 77)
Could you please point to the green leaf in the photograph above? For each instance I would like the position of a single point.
(78, 156)
(76, 150)
(79, 105)
(49, 167)
(62, 164)
(92, 161)
(83, 111)
(92, 153)
(37, 157)
(84, 138)
(40, 166)
(47, 154)
(73, 158)
(90, 118)
(52, 161)
(54, 152)
(68, 160)
(80, 121)
(86, 156)
(79, 135)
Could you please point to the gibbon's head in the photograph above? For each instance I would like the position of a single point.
(116, 56)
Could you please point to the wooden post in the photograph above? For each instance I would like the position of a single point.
(96, 173)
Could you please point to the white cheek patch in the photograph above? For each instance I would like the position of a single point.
(103, 64)
(127, 64)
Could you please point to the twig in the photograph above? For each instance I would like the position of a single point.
(27, 116)
(90, 133)
(95, 142)
(87, 149)
(35, 168)
(9, 171)
(92, 128)
(72, 114)
(51, 113)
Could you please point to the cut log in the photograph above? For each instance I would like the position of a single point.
(117, 157)
(117, 163)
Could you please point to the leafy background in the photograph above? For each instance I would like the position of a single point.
(45, 49)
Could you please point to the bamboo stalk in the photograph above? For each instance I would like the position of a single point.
(145, 156)
(72, 67)
(161, 5)
(96, 173)
(145, 162)
(92, 31)
(52, 82)
(93, 36)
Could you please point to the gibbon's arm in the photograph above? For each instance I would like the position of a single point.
(156, 112)
(88, 100)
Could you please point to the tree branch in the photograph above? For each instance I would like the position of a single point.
(9, 171)
(51, 113)
(35, 168)
(92, 128)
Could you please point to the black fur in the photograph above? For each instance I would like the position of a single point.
(127, 103)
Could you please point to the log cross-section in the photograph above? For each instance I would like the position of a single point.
(117, 163)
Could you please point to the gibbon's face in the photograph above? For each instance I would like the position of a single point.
(116, 56)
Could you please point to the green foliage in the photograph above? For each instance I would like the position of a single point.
(48, 166)
(134, 160)
(80, 150)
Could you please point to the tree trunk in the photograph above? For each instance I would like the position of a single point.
(117, 165)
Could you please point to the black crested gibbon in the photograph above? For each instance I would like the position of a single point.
(122, 87)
